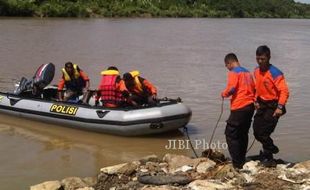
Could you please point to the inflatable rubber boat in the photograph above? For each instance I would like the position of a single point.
(33, 99)
(166, 115)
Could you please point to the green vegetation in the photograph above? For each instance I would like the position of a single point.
(156, 8)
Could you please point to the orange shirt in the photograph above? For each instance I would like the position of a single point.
(62, 81)
(271, 85)
(241, 88)
(147, 85)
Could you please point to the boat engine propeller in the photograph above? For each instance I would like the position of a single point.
(43, 76)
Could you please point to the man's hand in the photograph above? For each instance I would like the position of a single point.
(222, 95)
(96, 102)
(85, 90)
(154, 96)
(256, 105)
(277, 113)
(60, 97)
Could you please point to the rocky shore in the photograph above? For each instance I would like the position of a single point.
(174, 172)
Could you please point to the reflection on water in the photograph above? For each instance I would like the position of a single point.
(182, 57)
(71, 151)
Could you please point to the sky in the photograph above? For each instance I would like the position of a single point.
(303, 1)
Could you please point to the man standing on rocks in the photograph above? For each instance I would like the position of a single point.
(241, 88)
(271, 96)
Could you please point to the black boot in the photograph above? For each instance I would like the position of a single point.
(267, 160)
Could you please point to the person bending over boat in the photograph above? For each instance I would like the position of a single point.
(142, 91)
(241, 88)
(112, 91)
(272, 94)
(76, 82)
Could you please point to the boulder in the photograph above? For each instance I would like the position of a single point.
(177, 161)
(163, 187)
(86, 188)
(112, 169)
(208, 184)
(72, 183)
(185, 168)
(48, 185)
(165, 179)
(303, 166)
(90, 181)
(126, 169)
(224, 171)
(205, 166)
(251, 166)
(149, 158)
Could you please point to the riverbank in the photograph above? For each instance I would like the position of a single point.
(156, 8)
(174, 172)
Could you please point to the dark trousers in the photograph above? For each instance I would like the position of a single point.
(237, 129)
(264, 124)
(143, 99)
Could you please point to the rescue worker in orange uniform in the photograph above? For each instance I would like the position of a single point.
(76, 82)
(271, 96)
(142, 91)
(241, 88)
(112, 91)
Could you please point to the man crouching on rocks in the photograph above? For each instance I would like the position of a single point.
(241, 88)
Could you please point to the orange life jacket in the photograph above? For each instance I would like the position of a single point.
(109, 92)
(138, 86)
(142, 86)
(76, 73)
(76, 82)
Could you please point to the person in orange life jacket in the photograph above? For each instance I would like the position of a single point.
(76, 82)
(241, 88)
(112, 90)
(142, 91)
(271, 96)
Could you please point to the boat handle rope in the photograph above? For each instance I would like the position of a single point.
(185, 129)
(216, 125)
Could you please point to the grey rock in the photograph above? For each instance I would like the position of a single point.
(126, 168)
(177, 161)
(90, 181)
(303, 166)
(149, 158)
(163, 187)
(48, 185)
(164, 180)
(203, 167)
(209, 185)
(72, 183)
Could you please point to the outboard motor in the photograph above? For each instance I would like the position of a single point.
(43, 76)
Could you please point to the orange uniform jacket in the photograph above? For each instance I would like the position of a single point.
(241, 87)
(62, 81)
(271, 85)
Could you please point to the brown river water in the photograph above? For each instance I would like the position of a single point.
(182, 57)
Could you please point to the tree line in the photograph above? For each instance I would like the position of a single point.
(156, 8)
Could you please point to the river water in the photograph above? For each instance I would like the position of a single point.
(182, 57)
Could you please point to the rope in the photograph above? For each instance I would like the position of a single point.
(190, 142)
(216, 125)
(251, 146)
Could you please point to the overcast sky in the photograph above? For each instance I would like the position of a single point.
(303, 1)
